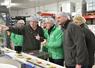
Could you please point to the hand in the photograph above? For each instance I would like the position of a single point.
(3, 28)
(12, 46)
(78, 66)
(37, 37)
(44, 42)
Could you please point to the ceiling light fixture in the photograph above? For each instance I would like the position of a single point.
(8, 3)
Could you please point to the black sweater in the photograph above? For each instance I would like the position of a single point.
(30, 42)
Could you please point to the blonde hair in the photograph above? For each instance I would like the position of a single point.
(80, 19)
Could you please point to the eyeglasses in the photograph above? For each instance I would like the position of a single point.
(58, 17)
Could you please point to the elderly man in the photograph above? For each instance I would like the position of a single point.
(75, 50)
(32, 34)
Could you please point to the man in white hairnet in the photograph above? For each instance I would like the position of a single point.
(75, 50)
(32, 33)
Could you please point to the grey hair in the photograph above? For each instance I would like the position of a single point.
(50, 20)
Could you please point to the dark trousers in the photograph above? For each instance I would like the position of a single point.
(90, 66)
(70, 66)
(18, 49)
(57, 61)
(75, 67)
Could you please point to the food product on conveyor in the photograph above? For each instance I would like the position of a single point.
(52, 67)
(19, 55)
(22, 57)
(7, 50)
(39, 62)
(28, 58)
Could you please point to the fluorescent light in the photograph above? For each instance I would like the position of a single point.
(36, 0)
(8, 3)
(32, 0)
(11, 4)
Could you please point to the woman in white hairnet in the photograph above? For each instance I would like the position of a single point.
(54, 41)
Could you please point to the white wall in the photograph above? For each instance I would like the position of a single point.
(22, 12)
(66, 7)
(79, 8)
(13, 13)
(49, 8)
(29, 11)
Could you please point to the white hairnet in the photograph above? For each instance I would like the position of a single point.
(21, 21)
(67, 15)
(34, 18)
(50, 20)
